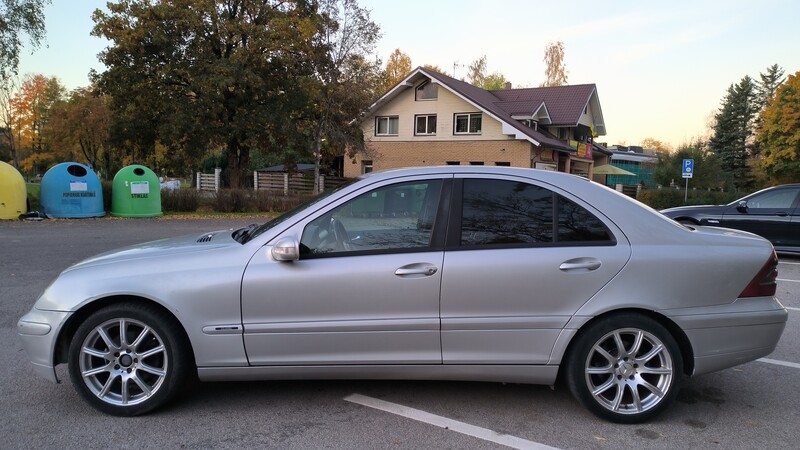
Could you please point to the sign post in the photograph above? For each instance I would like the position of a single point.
(688, 171)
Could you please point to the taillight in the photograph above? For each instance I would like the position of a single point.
(765, 281)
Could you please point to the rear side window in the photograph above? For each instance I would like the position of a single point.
(504, 212)
(511, 213)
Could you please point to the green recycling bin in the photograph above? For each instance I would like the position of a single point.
(136, 192)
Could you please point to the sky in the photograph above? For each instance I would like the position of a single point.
(661, 68)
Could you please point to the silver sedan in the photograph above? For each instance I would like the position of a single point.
(449, 273)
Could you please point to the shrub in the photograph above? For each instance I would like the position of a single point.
(668, 198)
(232, 200)
(180, 200)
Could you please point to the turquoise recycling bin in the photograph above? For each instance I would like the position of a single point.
(71, 190)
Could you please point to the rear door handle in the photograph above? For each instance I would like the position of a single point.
(416, 270)
(580, 265)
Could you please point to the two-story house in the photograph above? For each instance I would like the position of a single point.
(432, 119)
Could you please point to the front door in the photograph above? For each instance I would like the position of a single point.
(365, 289)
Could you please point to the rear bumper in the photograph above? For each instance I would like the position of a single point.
(38, 331)
(728, 335)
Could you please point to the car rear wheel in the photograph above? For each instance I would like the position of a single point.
(128, 359)
(625, 368)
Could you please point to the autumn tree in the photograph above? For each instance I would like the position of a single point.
(780, 133)
(230, 75)
(476, 72)
(494, 82)
(348, 78)
(79, 130)
(434, 68)
(556, 70)
(8, 125)
(31, 109)
(17, 19)
(765, 88)
(734, 130)
(398, 66)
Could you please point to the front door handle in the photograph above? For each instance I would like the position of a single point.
(416, 270)
(580, 265)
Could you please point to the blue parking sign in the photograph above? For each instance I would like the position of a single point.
(688, 168)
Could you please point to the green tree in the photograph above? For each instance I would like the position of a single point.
(556, 71)
(434, 68)
(494, 82)
(732, 140)
(203, 76)
(768, 83)
(397, 67)
(19, 18)
(348, 79)
(669, 168)
(780, 133)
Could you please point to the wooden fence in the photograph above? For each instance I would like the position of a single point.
(297, 183)
(209, 181)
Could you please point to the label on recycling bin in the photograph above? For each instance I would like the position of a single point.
(140, 187)
(78, 186)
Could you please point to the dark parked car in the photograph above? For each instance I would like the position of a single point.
(773, 213)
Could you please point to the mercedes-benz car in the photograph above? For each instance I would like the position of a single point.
(772, 213)
(449, 273)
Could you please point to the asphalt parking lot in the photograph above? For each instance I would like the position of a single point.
(755, 405)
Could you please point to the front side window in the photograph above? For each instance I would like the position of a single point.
(398, 217)
(511, 213)
(782, 199)
(387, 126)
(425, 124)
(468, 123)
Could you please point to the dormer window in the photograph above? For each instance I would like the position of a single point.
(427, 91)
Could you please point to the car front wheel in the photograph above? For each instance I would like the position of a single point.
(625, 368)
(126, 359)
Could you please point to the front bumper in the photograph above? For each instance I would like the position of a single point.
(724, 336)
(38, 330)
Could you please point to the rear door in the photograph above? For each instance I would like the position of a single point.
(520, 260)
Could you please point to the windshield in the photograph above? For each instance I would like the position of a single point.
(288, 214)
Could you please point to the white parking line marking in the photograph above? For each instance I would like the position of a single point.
(792, 309)
(779, 363)
(790, 281)
(448, 424)
(787, 262)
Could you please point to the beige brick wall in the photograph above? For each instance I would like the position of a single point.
(393, 155)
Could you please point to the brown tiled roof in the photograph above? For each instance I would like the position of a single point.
(565, 104)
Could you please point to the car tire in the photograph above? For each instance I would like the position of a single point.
(134, 374)
(625, 368)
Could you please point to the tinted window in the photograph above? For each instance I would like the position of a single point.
(505, 212)
(497, 212)
(576, 224)
(394, 217)
(783, 198)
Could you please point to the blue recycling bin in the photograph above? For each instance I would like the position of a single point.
(71, 190)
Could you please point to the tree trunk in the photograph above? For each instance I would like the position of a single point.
(317, 159)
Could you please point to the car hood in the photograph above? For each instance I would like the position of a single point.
(162, 248)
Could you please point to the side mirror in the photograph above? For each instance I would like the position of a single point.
(286, 249)
(742, 206)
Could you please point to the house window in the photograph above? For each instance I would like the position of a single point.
(426, 125)
(563, 133)
(468, 123)
(453, 163)
(476, 163)
(427, 91)
(502, 163)
(366, 166)
(386, 126)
